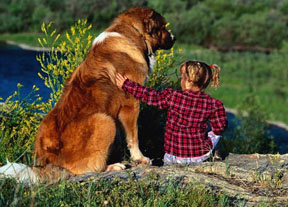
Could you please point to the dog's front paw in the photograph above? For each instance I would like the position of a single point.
(115, 167)
(142, 161)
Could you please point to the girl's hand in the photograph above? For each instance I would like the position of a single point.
(120, 79)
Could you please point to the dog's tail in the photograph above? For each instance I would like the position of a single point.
(20, 172)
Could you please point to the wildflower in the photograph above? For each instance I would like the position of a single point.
(52, 33)
(43, 29)
(19, 85)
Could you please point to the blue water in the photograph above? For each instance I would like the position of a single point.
(21, 66)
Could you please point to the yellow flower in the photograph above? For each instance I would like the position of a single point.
(44, 40)
(52, 33)
(19, 85)
(43, 29)
(57, 37)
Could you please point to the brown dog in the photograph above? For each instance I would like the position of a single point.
(78, 132)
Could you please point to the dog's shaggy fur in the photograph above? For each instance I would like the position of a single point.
(78, 132)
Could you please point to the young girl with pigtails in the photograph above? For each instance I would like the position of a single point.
(186, 138)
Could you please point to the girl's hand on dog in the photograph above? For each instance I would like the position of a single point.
(120, 79)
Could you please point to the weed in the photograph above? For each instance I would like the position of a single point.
(273, 178)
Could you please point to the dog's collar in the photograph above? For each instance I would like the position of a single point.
(150, 57)
(148, 47)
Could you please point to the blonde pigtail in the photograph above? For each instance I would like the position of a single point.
(193, 73)
(215, 82)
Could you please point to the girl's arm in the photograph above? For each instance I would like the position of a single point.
(218, 120)
(145, 94)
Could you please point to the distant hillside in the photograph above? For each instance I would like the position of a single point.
(222, 24)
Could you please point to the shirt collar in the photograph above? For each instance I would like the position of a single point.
(195, 93)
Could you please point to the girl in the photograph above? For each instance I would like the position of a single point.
(186, 139)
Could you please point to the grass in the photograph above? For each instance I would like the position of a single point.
(242, 73)
(112, 193)
(23, 38)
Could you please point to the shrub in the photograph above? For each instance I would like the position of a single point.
(192, 26)
(250, 133)
(168, 6)
(20, 118)
(58, 64)
(151, 121)
(223, 31)
(253, 31)
(19, 128)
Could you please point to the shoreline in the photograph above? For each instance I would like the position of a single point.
(40, 49)
(228, 110)
(26, 47)
(275, 123)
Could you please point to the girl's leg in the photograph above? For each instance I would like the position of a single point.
(214, 138)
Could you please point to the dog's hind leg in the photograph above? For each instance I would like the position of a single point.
(86, 144)
(128, 116)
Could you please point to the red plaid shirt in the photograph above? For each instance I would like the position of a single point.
(187, 119)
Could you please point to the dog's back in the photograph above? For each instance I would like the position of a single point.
(77, 133)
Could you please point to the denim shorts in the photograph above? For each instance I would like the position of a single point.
(171, 159)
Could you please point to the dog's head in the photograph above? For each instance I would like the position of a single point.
(152, 26)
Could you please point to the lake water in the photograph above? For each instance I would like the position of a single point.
(20, 66)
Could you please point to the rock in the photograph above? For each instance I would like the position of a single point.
(254, 178)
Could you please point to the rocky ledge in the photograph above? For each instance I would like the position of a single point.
(254, 178)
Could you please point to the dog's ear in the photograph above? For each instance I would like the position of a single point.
(149, 22)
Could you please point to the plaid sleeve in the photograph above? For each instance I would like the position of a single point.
(148, 95)
(218, 120)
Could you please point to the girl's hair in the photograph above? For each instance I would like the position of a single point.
(200, 74)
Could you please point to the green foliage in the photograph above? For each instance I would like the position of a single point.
(265, 73)
(21, 38)
(192, 26)
(20, 118)
(274, 179)
(64, 57)
(223, 31)
(151, 120)
(114, 192)
(168, 6)
(221, 23)
(250, 133)
(253, 31)
(40, 14)
(17, 17)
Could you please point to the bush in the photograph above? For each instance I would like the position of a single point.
(18, 130)
(20, 119)
(65, 55)
(253, 31)
(250, 133)
(151, 120)
(223, 32)
(192, 26)
(168, 6)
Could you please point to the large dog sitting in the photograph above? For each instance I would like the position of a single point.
(78, 132)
